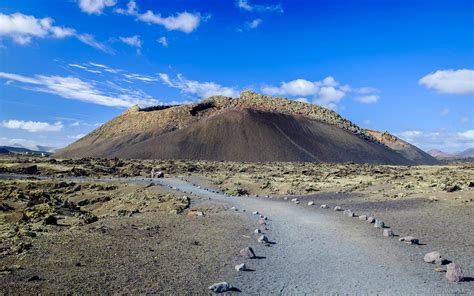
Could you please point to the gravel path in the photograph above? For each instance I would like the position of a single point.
(317, 251)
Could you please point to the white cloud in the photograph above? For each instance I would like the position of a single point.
(33, 126)
(144, 78)
(458, 82)
(443, 140)
(90, 40)
(182, 21)
(327, 92)
(23, 28)
(367, 122)
(370, 99)
(77, 89)
(465, 119)
(468, 135)
(245, 5)
(200, 89)
(254, 24)
(95, 6)
(163, 41)
(134, 41)
(82, 67)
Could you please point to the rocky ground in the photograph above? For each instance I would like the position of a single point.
(109, 237)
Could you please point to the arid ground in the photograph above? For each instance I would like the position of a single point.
(91, 226)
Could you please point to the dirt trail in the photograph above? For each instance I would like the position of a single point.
(320, 251)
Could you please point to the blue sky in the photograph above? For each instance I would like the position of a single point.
(402, 66)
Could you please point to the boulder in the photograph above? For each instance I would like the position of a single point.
(311, 203)
(256, 213)
(363, 217)
(454, 272)
(240, 267)
(338, 208)
(258, 231)
(370, 219)
(324, 207)
(453, 188)
(388, 232)
(433, 257)
(379, 223)
(294, 200)
(247, 253)
(220, 287)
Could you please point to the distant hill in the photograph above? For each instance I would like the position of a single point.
(443, 155)
(252, 128)
(21, 150)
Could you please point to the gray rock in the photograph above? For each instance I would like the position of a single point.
(433, 257)
(388, 232)
(363, 217)
(294, 200)
(454, 272)
(220, 287)
(324, 207)
(370, 219)
(240, 267)
(311, 203)
(247, 253)
(258, 231)
(338, 208)
(263, 239)
(256, 213)
(379, 223)
(409, 240)
(349, 213)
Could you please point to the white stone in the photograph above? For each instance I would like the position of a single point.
(240, 267)
(263, 239)
(220, 287)
(432, 257)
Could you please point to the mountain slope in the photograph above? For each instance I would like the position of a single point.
(251, 128)
(406, 149)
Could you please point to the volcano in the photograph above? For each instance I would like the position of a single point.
(251, 128)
